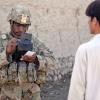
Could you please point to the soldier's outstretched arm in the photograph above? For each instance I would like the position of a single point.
(43, 52)
(46, 58)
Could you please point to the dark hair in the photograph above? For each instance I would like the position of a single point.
(93, 10)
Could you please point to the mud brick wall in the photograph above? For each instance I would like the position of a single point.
(60, 24)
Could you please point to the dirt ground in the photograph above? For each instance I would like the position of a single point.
(56, 90)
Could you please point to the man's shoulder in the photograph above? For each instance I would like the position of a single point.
(84, 47)
(38, 42)
(90, 45)
(35, 38)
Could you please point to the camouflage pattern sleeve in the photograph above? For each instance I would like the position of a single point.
(3, 58)
(46, 59)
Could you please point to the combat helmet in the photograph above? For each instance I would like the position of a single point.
(20, 14)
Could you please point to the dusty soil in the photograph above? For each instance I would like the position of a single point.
(56, 90)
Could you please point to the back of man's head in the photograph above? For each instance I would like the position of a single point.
(93, 10)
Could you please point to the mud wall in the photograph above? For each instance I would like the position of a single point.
(60, 24)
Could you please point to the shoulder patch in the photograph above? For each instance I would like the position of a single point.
(3, 36)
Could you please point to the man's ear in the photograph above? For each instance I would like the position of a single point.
(95, 21)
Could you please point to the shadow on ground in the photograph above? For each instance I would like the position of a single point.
(56, 90)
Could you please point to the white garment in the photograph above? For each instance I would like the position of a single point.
(85, 81)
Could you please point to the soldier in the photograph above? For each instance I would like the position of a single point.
(17, 83)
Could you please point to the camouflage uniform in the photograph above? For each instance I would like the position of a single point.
(15, 82)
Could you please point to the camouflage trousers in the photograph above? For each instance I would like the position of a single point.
(24, 92)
